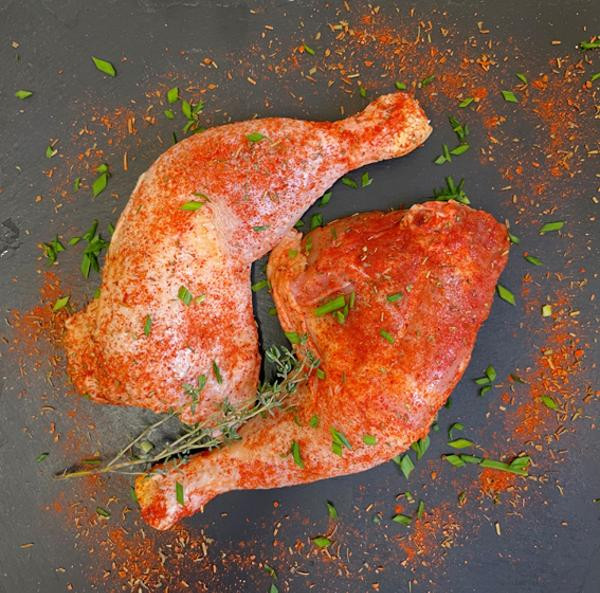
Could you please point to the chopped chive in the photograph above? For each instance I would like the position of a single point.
(42, 456)
(369, 439)
(460, 149)
(295, 450)
(452, 427)
(427, 80)
(292, 253)
(314, 421)
(454, 460)
(273, 588)
(316, 220)
(186, 109)
(362, 91)
(482, 381)
(392, 298)
(293, 337)
(325, 199)
(521, 77)
(254, 137)
(147, 325)
(533, 260)
(270, 571)
(349, 182)
(505, 294)
(99, 184)
(365, 180)
(60, 303)
(466, 102)
(331, 510)
(103, 512)
(490, 373)
(338, 441)
(387, 336)
(595, 77)
(179, 494)
(402, 519)
(320, 374)
(400, 85)
(440, 160)
(260, 229)
(192, 205)
(420, 447)
(509, 97)
(217, 372)
(104, 66)
(485, 389)
(184, 295)
(549, 402)
(337, 303)
(299, 224)
(50, 152)
(585, 45)
(321, 541)
(258, 286)
(546, 310)
(500, 465)
(309, 50)
(452, 191)
(76, 183)
(552, 226)
(460, 443)
(22, 94)
(514, 239)
(169, 113)
(405, 463)
(474, 459)
(352, 300)
(173, 95)
(272, 311)
(420, 509)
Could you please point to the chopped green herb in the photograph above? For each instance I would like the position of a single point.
(365, 180)
(186, 109)
(99, 184)
(552, 226)
(474, 459)
(460, 443)
(461, 130)
(482, 381)
(337, 303)
(60, 303)
(273, 588)
(272, 311)
(352, 300)
(179, 494)
(338, 441)
(420, 447)
(331, 510)
(169, 113)
(184, 295)
(316, 220)
(549, 402)
(260, 229)
(295, 450)
(349, 182)
(585, 45)
(362, 91)
(505, 294)
(427, 80)
(533, 260)
(50, 152)
(258, 286)
(514, 239)
(460, 149)
(387, 336)
(490, 373)
(406, 464)
(147, 325)
(192, 205)
(485, 389)
(270, 571)
(321, 541)
(454, 460)
(22, 94)
(325, 199)
(499, 465)
(402, 519)
(595, 77)
(217, 372)
(420, 509)
(320, 374)
(392, 298)
(546, 310)
(104, 66)
(103, 512)
(369, 439)
(146, 447)
(440, 160)
(509, 97)
(254, 137)
(400, 85)
(314, 421)
(466, 102)
(77, 184)
(452, 427)
(42, 457)
(173, 95)
(309, 50)
(293, 337)
(521, 77)
(452, 191)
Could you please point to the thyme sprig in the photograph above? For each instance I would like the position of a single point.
(218, 430)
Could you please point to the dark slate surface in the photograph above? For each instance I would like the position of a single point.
(535, 553)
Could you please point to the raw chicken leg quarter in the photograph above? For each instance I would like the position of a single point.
(391, 305)
(175, 303)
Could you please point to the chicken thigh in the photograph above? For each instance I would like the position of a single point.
(390, 304)
(175, 303)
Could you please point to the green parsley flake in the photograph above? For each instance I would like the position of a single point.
(325, 199)
(254, 137)
(550, 227)
(509, 97)
(192, 205)
(184, 295)
(549, 402)
(505, 294)
(293, 337)
(22, 94)
(400, 85)
(173, 95)
(60, 303)
(314, 421)
(321, 541)
(179, 496)
(295, 450)
(402, 519)
(348, 181)
(392, 298)
(369, 439)
(365, 180)
(99, 184)
(104, 66)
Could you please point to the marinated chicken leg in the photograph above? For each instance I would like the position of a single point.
(173, 327)
(390, 303)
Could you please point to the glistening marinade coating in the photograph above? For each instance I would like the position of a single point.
(255, 192)
(439, 263)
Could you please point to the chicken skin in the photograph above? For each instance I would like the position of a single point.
(175, 303)
(390, 304)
